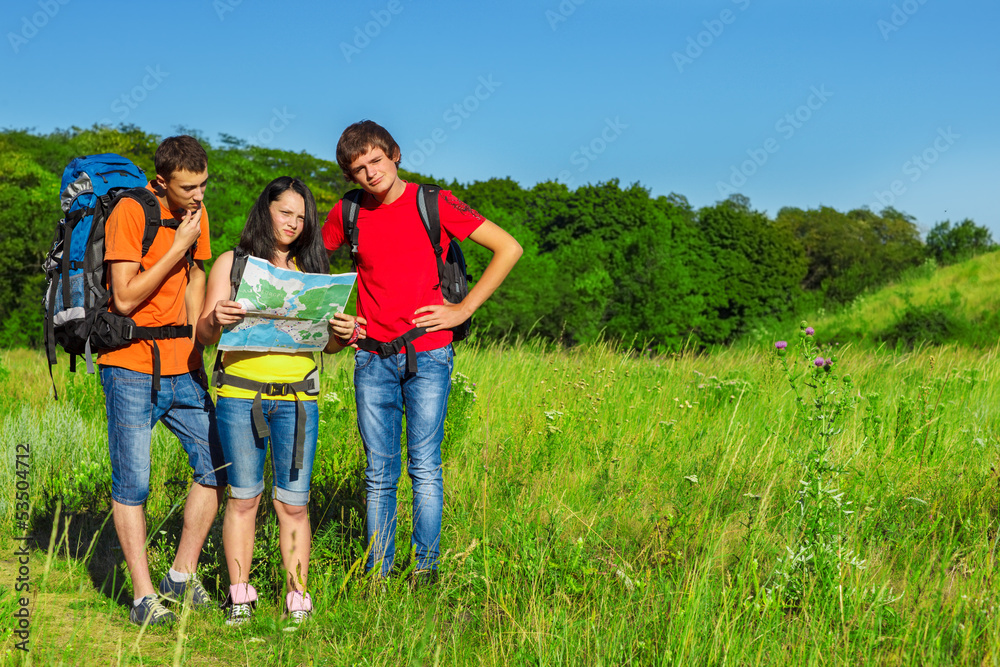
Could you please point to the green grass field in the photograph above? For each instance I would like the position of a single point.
(601, 508)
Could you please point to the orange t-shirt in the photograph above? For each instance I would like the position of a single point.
(165, 307)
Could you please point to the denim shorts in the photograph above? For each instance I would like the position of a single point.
(133, 409)
(246, 452)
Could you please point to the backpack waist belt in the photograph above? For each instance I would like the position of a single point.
(112, 330)
(308, 386)
(395, 346)
(159, 333)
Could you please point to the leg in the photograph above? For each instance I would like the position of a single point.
(426, 398)
(291, 485)
(130, 524)
(238, 529)
(294, 538)
(191, 417)
(199, 512)
(131, 415)
(380, 415)
(246, 452)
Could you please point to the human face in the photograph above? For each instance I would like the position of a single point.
(288, 216)
(376, 173)
(184, 189)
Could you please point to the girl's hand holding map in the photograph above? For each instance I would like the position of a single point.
(226, 313)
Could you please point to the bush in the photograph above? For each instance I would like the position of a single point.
(930, 324)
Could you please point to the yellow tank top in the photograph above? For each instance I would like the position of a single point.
(266, 367)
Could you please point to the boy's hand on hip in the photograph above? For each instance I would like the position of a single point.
(444, 316)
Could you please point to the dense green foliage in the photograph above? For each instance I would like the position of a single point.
(600, 261)
(949, 245)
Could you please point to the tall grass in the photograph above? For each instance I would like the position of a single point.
(608, 508)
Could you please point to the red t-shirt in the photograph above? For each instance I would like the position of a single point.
(397, 270)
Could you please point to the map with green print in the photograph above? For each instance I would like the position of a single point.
(286, 310)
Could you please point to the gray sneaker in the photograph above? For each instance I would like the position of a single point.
(301, 613)
(238, 614)
(173, 591)
(151, 612)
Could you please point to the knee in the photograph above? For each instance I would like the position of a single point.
(243, 506)
(291, 512)
(424, 473)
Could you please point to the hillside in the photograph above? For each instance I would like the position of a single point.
(958, 303)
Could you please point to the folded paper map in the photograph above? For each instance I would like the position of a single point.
(286, 310)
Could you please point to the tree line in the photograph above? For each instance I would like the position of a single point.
(599, 260)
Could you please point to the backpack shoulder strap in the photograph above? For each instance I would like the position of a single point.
(150, 210)
(236, 272)
(235, 278)
(351, 208)
(430, 215)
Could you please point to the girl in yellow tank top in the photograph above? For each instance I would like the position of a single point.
(265, 399)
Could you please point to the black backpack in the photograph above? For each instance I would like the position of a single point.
(77, 295)
(453, 278)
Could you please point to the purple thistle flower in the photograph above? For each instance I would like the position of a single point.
(828, 362)
(781, 345)
(810, 331)
(819, 361)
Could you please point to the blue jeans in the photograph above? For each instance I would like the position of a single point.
(383, 391)
(245, 451)
(133, 408)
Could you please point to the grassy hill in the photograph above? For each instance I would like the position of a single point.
(954, 304)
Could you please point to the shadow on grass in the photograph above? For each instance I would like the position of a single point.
(88, 535)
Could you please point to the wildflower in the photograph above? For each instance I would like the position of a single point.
(820, 361)
(781, 345)
(810, 331)
(828, 362)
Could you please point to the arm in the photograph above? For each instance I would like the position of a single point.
(194, 295)
(218, 310)
(506, 251)
(130, 286)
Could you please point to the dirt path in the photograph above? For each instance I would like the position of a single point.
(73, 624)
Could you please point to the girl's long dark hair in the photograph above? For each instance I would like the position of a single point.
(258, 239)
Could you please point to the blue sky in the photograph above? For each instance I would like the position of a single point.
(840, 103)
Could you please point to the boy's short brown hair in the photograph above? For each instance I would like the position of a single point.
(180, 153)
(361, 137)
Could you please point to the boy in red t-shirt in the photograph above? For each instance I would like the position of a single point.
(397, 291)
(163, 289)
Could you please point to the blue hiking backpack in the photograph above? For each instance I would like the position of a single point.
(77, 295)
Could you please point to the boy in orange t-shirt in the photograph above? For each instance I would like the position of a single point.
(163, 288)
